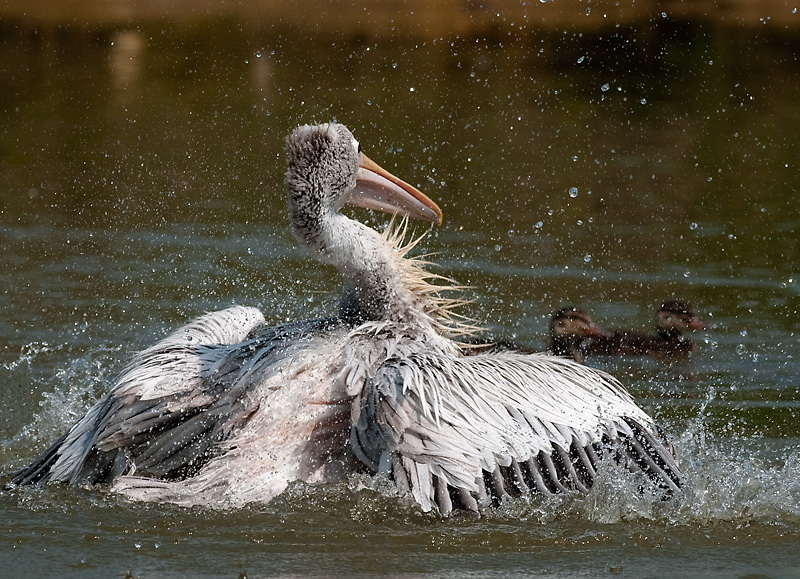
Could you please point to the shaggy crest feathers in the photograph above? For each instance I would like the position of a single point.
(441, 309)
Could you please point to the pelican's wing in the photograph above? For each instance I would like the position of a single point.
(157, 410)
(461, 428)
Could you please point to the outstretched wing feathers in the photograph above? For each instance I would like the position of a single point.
(439, 422)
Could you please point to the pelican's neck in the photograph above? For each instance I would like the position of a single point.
(375, 286)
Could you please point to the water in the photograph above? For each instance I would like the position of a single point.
(141, 185)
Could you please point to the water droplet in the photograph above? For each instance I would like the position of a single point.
(580, 59)
(740, 349)
(605, 87)
(573, 192)
(693, 226)
(587, 258)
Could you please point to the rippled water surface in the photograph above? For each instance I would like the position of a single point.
(609, 167)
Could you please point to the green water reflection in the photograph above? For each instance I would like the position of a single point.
(611, 167)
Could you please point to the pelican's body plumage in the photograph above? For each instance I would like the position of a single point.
(228, 410)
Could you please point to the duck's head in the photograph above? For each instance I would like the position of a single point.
(569, 327)
(676, 316)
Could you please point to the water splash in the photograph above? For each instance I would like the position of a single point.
(65, 397)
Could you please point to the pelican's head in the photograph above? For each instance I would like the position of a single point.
(326, 170)
(675, 316)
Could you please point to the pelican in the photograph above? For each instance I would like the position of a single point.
(228, 410)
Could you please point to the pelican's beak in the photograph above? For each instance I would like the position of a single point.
(378, 189)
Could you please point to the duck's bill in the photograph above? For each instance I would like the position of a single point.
(598, 332)
(696, 323)
(379, 190)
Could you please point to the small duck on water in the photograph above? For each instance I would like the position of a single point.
(673, 318)
(574, 334)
